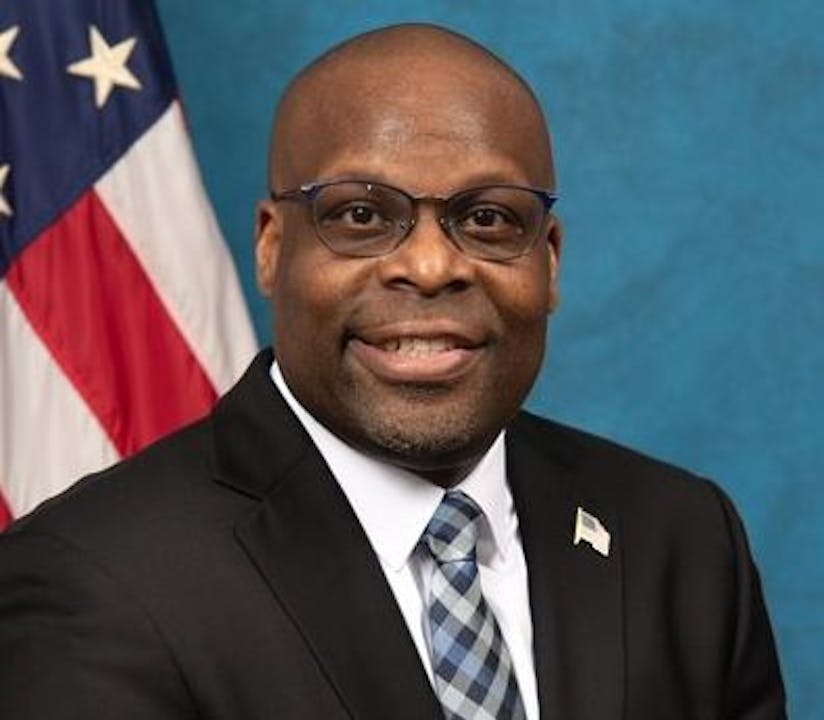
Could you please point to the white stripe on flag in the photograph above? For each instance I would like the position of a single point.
(48, 436)
(154, 194)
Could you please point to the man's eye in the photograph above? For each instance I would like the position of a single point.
(486, 219)
(359, 215)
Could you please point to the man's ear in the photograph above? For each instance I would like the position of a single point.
(268, 241)
(555, 239)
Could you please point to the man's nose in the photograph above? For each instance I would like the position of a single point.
(427, 260)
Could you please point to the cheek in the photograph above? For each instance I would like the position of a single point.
(521, 301)
(522, 297)
(307, 329)
(311, 297)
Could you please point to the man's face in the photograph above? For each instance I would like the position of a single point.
(421, 356)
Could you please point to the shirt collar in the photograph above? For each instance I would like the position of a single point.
(394, 505)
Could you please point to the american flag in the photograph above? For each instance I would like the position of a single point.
(121, 316)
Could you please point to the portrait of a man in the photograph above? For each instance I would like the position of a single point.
(368, 523)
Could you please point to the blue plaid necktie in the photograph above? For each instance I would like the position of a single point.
(473, 672)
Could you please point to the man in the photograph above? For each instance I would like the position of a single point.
(367, 526)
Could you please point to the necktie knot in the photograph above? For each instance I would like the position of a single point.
(452, 533)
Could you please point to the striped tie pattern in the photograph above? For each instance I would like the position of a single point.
(473, 671)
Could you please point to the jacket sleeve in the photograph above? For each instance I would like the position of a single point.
(74, 643)
(754, 689)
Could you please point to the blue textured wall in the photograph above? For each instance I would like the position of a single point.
(691, 153)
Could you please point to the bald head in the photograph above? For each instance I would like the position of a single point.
(398, 81)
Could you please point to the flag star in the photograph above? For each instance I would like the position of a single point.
(7, 66)
(106, 66)
(5, 208)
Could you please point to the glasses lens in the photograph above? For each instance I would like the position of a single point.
(361, 219)
(496, 223)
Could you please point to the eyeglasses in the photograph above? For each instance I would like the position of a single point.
(357, 218)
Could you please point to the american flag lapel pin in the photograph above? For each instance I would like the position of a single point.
(589, 529)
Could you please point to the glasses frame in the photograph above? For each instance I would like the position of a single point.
(307, 193)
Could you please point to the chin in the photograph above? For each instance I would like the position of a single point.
(423, 432)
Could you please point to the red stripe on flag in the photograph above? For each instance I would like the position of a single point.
(95, 308)
(5, 513)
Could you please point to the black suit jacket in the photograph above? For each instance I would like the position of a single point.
(222, 574)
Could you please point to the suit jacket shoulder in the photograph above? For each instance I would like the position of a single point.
(675, 607)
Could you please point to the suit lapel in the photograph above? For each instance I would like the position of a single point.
(308, 545)
(575, 593)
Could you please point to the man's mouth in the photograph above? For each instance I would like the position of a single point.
(418, 346)
(415, 357)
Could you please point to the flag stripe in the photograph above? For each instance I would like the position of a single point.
(52, 437)
(127, 359)
(5, 513)
(183, 253)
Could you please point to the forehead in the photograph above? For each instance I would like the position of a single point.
(418, 121)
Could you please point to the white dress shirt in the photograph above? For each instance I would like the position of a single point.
(394, 507)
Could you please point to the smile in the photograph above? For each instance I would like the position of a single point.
(416, 358)
(418, 346)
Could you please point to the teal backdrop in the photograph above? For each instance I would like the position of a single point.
(690, 147)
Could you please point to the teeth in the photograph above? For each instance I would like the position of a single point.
(418, 347)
